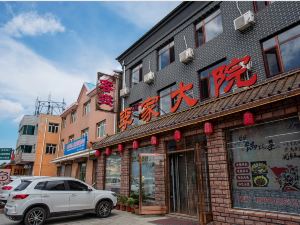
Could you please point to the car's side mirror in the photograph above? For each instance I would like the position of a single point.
(90, 189)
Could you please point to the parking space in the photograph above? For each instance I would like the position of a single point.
(117, 218)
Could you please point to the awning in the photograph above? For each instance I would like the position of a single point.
(84, 153)
(271, 90)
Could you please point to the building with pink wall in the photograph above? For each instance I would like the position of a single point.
(82, 125)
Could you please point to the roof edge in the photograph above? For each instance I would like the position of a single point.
(168, 17)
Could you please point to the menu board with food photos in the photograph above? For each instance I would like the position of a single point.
(266, 162)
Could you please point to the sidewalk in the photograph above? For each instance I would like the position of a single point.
(117, 218)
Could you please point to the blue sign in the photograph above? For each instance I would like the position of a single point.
(75, 146)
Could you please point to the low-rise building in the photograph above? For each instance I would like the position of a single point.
(37, 144)
(82, 125)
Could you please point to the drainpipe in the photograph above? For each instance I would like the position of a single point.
(42, 150)
(123, 84)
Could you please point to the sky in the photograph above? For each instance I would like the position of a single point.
(51, 48)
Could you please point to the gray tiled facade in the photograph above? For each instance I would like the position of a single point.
(230, 44)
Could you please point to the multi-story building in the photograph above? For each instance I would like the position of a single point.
(37, 144)
(82, 125)
(26, 145)
(214, 94)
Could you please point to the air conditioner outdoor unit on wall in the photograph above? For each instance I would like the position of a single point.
(149, 77)
(186, 56)
(124, 92)
(244, 21)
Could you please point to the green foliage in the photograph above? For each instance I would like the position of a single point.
(130, 202)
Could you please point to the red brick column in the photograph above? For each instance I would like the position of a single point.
(100, 172)
(125, 173)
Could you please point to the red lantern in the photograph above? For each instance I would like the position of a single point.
(177, 135)
(208, 128)
(248, 119)
(98, 153)
(154, 140)
(108, 151)
(135, 144)
(120, 148)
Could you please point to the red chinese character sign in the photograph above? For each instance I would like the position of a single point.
(105, 93)
(125, 118)
(148, 108)
(232, 74)
(180, 94)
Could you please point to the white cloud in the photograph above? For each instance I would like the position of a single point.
(143, 14)
(10, 109)
(32, 24)
(25, 75)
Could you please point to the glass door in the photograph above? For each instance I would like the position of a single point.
(183, 183)
(152, 183)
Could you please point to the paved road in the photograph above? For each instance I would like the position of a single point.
(117, 218)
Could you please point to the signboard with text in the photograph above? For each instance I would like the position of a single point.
(105, 92)
(5, 153)
(4, 176)
(76, 146)
(231, 75)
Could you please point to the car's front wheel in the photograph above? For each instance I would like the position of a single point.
(35, 216)
(104, 208)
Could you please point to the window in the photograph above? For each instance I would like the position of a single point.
(259, 5)
(57, 185)
(77, 186)
(24, 184)
(209, 28)
(81, 171)
(50, 148)
(40, 185)
(28, 130)
(53, 127)
(265, 160)
(62, 144)
(165, 101)
(73, 117)
(71, 138)
(135, 166)
(282, 52)
(64, 122)
(101, 129)
(136, 74)
(86, 108)
(113, 173)
(206, 82)
(27, 148)
(136, 110)
(166, 55)
(85, 132)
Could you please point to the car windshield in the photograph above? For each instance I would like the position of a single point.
(24, 184)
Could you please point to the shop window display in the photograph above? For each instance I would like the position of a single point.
(266, 164)
(113, 173)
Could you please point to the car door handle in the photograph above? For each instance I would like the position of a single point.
(73, 195)
(45, 196)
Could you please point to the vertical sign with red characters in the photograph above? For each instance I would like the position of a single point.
(105, 93)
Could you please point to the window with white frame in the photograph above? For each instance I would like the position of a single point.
(50, 148)
(166, 55)
(73, 117)
(101, 129)
(86, 108)
(53, 127)
(85, 132)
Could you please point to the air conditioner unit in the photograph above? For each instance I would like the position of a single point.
(124, 92)
(186, 56)
(149, 77)
(244, 21)
(247, 66)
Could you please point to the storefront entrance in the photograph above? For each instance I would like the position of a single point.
(189, 191)
(183, 184)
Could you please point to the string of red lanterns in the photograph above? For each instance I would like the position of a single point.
(154, 140)
(248, 118)
(208, 128)
(135, 144)
(177, 135)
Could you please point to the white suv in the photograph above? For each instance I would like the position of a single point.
(35, 200)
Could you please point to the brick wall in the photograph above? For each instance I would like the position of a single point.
(223, 213)
(100, 172)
